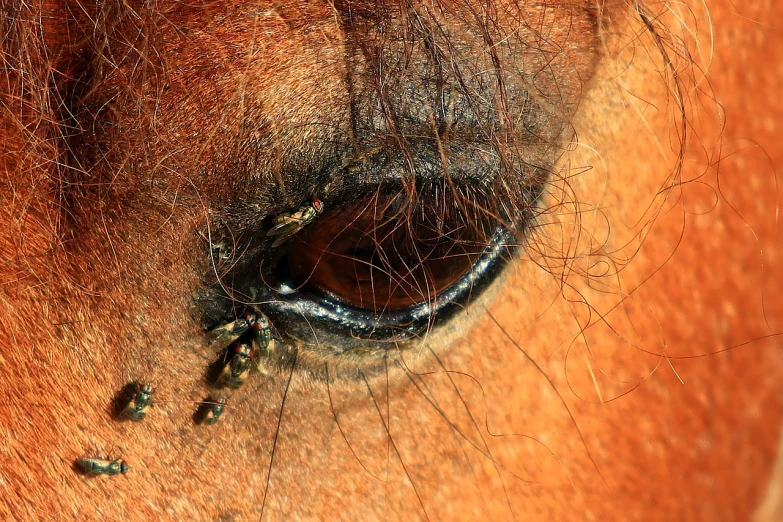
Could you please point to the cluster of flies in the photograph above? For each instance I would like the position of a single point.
(249, 343)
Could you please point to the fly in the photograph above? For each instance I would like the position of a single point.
(213, 410)
(287, 224)
(137, 407)
(236, 370)
(102, 466)
(263, 344)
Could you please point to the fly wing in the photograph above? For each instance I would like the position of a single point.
(91, 466)
(285, 230)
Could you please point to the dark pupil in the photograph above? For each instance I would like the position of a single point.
(385, 253)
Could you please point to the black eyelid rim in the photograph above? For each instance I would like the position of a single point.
(330, 324)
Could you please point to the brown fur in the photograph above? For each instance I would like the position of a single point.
(627, 367)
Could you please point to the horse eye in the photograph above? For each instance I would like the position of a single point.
(376, 271)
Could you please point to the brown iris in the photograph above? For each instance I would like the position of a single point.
(386, 252)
